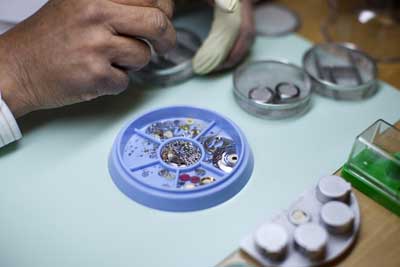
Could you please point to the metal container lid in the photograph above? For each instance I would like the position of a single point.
(173, 67)
(275, 20)
(272, 89)
(341, 72)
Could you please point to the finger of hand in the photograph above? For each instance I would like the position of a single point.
(245, 39)
(167, 6)
(129, 54)
(120, 81)
(147, 23)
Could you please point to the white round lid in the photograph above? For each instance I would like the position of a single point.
(333, 188)
(338, 216)
(311, 237)
(272, 238)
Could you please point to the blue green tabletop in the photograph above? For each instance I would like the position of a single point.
(59, 206)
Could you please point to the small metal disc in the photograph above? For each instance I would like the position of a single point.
(207, 180)
(273, 240)
(227, 162)
(232, 159)
(332, 188)
(311, 239)
(224, 156)
(298, 216)
(337, 217)
(262, 95)
(287, 91)
(274, 20)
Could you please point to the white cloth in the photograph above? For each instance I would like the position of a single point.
(9, 130)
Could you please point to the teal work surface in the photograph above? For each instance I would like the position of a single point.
(59, 206)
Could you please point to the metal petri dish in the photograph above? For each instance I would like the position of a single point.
(341, 72)
(175, 66)
(275, 20)
(270, 74)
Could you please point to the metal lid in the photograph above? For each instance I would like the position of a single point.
(273, 240)
(337, 217)
(341, 72)
(275, 20)
(175, 66)
(311, 239)
(332, 188)
(272, 89)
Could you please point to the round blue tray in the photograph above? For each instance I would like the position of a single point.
(181, 159)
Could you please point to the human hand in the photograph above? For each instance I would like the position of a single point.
(230, 38)
(76, 50)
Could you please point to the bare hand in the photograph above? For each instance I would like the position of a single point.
(76, 50)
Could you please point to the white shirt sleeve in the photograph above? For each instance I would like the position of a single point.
(11, 13)
(9, 130)
(14, 11)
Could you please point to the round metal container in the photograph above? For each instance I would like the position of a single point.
(270, 75)
(340, 72)
(173, 67)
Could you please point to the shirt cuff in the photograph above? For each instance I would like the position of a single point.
(9, 130)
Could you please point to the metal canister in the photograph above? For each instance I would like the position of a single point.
(341, 72)
(270, 80)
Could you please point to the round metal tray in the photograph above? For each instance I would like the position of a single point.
(341, 72)
(271, 73)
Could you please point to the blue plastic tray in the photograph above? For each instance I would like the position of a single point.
(181, 159)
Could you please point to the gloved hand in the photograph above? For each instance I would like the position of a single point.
(76, 50)
(230, 38)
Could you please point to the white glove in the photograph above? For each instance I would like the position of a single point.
(223, 35)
